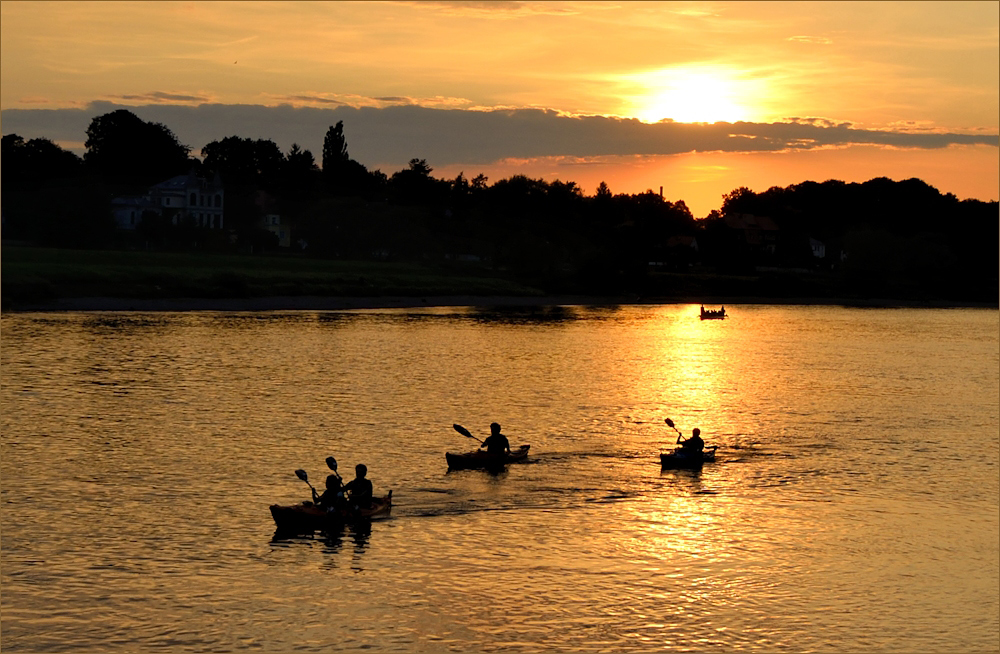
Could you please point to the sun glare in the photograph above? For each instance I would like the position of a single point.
(693, 95)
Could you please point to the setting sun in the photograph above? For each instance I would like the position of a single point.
(693, 95)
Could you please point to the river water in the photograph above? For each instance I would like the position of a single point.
(854, 505)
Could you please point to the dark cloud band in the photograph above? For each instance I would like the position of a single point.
(459, 136)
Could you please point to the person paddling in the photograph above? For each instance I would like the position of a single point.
(333, 497)
(691, 446)
(496, 444)
(360, 488)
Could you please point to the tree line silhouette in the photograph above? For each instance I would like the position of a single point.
(548, 233)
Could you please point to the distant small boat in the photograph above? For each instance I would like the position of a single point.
(712, 315)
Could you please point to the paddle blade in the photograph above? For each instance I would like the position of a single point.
(332, 463)
(463, 431)
(670, 423)
(301, 474)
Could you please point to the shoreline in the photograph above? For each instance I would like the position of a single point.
(320, 303)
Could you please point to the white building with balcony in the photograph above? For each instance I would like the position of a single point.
(181, 197)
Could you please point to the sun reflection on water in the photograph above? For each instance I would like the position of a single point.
(693, 371)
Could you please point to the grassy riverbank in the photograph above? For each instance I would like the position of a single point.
(37, 275)
(60, 279)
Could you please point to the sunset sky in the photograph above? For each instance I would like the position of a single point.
(699, 98)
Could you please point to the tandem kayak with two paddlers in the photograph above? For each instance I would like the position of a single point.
(308, 517)
(324, 514)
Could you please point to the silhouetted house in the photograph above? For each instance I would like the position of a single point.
(190, 196)
(759, 233)
(128, 211)
(183, 197)
(273, 224)
(683, 242)
(677, 252)
(272, 221)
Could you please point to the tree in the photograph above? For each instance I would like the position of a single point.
(335, 148)
(126, 150)
(460, 187)
(519, 192)
(299, 179)
(245, 162)
(301, 158)
(740, 200)
(479, 182)
(36, 160)
(48, 199)
(414, 185)
(343, 176)
(420, 167)
(603, 192)
(299, 162)
(336, 162)
(681, 209)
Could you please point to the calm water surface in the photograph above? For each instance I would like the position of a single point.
(854, 505)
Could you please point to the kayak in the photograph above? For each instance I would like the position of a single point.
(307, 517)
(677, 458)
(480, 460)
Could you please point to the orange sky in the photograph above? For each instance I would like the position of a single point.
(916, 67)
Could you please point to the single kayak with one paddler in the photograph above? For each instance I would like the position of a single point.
(678, 458)
(480, 459)
(485, 460)
(691, 454)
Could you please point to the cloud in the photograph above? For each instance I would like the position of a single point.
(34, 100)
(162, 96)
(820, 40)
(696, 12)
(495, 8)
(312, 98)
(308, 100)
(390, 136)
(819, 122)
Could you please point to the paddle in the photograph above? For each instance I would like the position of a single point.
(670, 423)
(465, 432)
(301, 474)
(332, 464)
